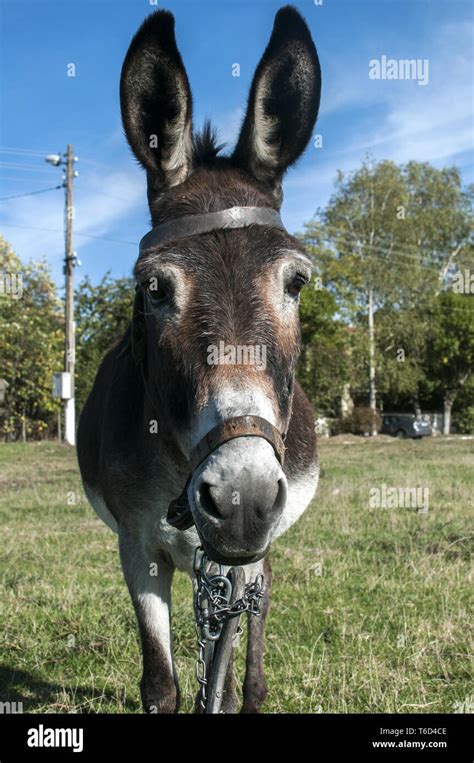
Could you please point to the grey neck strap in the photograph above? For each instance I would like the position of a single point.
(194, 225)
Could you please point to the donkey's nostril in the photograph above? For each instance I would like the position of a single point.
(249, 497)
(207, 502)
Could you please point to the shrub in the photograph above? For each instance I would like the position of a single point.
(464, 420)
(361, 421)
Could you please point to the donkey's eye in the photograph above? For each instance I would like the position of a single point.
(156, 290)
(296, 284)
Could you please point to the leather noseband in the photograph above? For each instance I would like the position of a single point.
(239, 426)
(179, 511)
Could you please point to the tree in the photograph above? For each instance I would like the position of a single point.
(31, 345)
(362, 221)
(401, 356)
(102, 315)
(387, 243)
(324, 363)
(437, 222)
(450, 358)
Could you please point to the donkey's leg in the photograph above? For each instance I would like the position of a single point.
(149, 583)
(255, 688)
(229, 702)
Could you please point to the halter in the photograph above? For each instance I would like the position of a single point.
(195, 225)
(179, 512)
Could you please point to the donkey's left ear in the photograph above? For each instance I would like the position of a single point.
(283, 102)
(156, 103)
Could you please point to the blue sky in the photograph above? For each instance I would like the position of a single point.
(43, 109)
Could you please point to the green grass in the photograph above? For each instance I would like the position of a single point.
(384, 628)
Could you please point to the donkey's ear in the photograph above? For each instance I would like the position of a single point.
(156, 104)
(283, 102)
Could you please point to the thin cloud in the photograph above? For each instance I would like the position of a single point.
(431, 123)
(101, 202)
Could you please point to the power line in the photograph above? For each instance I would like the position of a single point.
(22, 179)
(84, 235)
(393, 259)
(405, 265)
(408, 250)
(32, 152)
(95, 190)
(348, 232)
(400, 251)
(21, 151)
(389, 250)
(24, 167)
(387, 261)
(33, 168)
(31, 193)
(393, 253)
(131, 243)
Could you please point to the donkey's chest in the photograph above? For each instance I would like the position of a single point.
(140, 508)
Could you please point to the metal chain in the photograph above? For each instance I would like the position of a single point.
(212, 609)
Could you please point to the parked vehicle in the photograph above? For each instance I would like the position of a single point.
(406, 425)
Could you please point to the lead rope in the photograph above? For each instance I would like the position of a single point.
(215, 604)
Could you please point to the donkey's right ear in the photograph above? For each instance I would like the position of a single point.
(156, 103)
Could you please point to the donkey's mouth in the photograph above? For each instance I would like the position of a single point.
(231, 560)
(180, 516)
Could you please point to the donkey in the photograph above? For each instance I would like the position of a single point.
(217, 269)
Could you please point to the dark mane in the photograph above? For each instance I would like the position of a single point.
(205, 146)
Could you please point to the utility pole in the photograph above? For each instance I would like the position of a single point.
(64, 385)
(70, 346)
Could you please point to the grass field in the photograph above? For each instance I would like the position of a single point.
(371, 606)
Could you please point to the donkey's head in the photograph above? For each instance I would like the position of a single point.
(216, 324)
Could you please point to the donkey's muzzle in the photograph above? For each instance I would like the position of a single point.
(238, 497)
(179, 511)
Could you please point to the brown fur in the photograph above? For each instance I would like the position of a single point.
(159, 370)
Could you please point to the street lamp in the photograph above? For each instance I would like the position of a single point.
(54, 159)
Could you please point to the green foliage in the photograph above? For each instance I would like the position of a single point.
(401, 353)
(395, 230)
(438, 220)
(399, 234)
(362, 421)
(361, 227)
(450, 357)
(102, 315)
(465, 420)
(324, 364)
(31, 347)
(32, 341)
